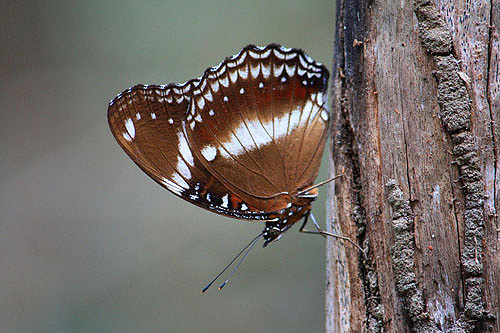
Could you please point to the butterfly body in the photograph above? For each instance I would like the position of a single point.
(244, 140)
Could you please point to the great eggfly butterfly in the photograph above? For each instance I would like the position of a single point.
(244, 140)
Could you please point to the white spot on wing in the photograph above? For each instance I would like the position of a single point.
(278, 70)
(295, 118)
(224, 81)
(243, 72)
(303, 63)
(320, 98)
(324, 115)
(209, 153)
(127, 137)
(182, 168)
(261, 85)
(203, 85)
(173, 186)
(233, 75)
(220, 69)
(233, 145)
(265, 54)
(241, 59)
(278, 54)
(215, 86)
(255, 70)
(225, 99)
(192, 108)
(253, 54)
(281, 126)
(244, 207)
(179, 180)
(211, 112)
(208, 96)
(129, 124)
(225, 201)
(153, 115)
(308, 58)
(138, 116)
(307, 109)
(242, 91)
(201, 103)
(314, 113)
(185, 150)
(266, 70)
(170, 121)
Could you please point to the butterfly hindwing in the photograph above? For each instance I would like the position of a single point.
(147, 122)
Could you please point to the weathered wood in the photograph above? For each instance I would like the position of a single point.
(416, 102)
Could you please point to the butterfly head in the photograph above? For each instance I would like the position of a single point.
(294, 211)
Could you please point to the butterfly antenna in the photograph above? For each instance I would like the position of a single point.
(252, 244)
(249, 245)
(320, 184)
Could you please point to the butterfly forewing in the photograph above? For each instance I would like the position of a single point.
(256, 121)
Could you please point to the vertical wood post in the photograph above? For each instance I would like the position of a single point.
(416, 125)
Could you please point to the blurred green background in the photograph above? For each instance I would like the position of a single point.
(88, 243)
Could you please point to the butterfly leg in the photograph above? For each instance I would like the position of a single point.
(320, 231)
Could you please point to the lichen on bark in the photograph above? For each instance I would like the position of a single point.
(403, 259)
(455, 113)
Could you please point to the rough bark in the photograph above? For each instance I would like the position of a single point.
(416, 103)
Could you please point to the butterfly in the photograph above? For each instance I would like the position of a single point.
(244, 140)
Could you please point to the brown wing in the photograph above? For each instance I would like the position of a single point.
(147, 122)
(259, 124)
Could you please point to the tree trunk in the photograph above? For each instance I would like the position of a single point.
(416, 96)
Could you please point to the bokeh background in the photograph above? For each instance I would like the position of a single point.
(88, 243)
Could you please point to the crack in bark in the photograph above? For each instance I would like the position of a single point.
(455, 214)
(455, 112)
(488, 99)
(374, 313)
(405, 143)
(367, 270)
(403, 260)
